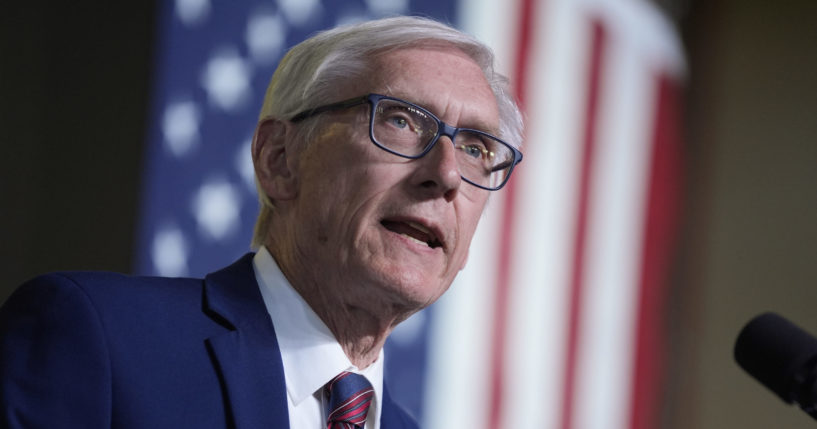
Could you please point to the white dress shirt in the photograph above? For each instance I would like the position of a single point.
(310, 353)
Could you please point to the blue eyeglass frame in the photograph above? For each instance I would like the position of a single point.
(443, 129)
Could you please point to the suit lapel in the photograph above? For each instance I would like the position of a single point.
(247, 356)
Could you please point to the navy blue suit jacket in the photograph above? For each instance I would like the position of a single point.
(98, 350)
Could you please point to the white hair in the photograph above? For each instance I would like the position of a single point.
(310, 73)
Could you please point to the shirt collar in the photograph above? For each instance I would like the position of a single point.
(310, 353)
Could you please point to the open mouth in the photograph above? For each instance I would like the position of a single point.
(414, 231)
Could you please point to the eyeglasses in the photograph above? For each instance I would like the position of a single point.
(410, 131)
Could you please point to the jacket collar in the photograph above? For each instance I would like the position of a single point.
(247, 355)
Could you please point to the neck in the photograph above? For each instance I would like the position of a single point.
(360, 330)
(360, 335)
(360, 319)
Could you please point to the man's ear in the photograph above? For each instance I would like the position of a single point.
(273, 158)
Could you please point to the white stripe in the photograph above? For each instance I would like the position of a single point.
(615, 226)
(548, 186)
(495, 23)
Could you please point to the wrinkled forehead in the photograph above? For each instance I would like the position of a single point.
(440, 78)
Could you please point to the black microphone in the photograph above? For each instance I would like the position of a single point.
(783, 357)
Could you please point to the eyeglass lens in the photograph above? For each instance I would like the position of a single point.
(408, 130)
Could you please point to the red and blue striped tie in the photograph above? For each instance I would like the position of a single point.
(348, 398)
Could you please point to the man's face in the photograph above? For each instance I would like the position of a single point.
(380, 226)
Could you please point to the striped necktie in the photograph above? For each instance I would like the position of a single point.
(348, 398)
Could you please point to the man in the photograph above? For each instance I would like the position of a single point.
(374, 156)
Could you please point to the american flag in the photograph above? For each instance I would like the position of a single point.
(556, 322)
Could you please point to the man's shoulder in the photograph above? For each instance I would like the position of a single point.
(109, 295)
(96, 279)
(104, 285)
(90, 332)
(105, 279)
(116, 295)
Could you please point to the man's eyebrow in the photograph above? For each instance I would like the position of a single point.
(476, 124)
(480, 125)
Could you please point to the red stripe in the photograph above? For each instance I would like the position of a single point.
(352, 409)
(663, 200)
(580, 243)
(353, 406)
(505, 244)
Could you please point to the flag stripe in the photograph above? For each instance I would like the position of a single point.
(506, 245)
(659, 238)
(580, 240)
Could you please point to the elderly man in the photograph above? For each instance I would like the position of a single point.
(376, 152)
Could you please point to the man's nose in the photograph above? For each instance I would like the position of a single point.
(438, 172)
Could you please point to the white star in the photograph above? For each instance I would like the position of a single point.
(216, 209)
(266, 35)
(192, 12)
(348, 18)
(387, 7)
(226, 78)
(169, 253)
(243, 164)
(180, 126)
(299, 12)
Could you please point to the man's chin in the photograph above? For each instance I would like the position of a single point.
(415, 289)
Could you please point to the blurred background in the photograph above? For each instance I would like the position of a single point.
(85, 87)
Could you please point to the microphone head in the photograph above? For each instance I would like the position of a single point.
(776, 352)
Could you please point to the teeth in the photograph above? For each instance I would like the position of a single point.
(414, 239)
(420, 227)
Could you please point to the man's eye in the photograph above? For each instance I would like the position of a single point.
(398, 121)
(473, 151)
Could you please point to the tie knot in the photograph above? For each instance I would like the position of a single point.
(348, 398)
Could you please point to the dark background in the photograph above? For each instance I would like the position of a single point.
(75, 86)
